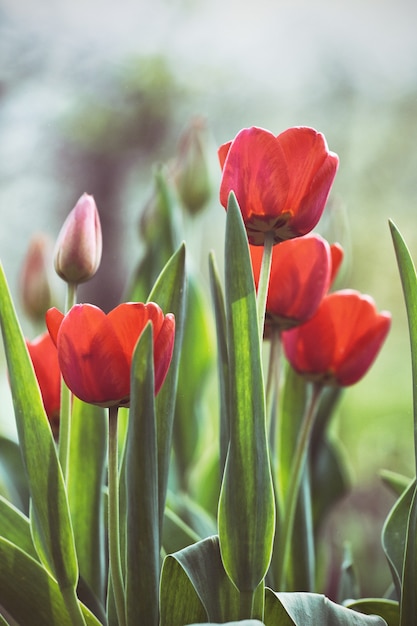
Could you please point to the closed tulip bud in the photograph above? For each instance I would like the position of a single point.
(79, 244)
(192, 175)
(36, 277)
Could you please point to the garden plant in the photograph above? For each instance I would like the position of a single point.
(131, 497)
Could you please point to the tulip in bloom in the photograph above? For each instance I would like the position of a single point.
(44, 356)
(79, 244)
(95, 350)
(301, 271)
(340, 342)
(281, 183)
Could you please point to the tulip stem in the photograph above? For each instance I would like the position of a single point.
(113, 519)
(272, 386)
(65, 409)
(263, 282)
(293, 491)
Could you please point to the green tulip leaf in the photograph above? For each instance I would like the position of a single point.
(141, 470)
(12, 474)
(15, 527)
(246, 506)
(169, 293)
(242, 622)
(87, 466)
(408, 603)
(30, 594)
(409, 284)
(195, 586)
(396, 482)
(43, 472)
(223, 359)
(388, 609)
(195, 365)
(309, 609)
(394, 535)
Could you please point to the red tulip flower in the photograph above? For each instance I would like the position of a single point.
(44, 356)
(299, 279)
(281, 183)
(340, 342)
(95, 350)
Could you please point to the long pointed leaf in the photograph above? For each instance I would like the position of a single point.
(409, 283)
(222, 357)
(142, 517)
(40, 460)
(29, 594)
(87, 464)
(200, 565)
(169, 292)
(318, 608)
(246, 507)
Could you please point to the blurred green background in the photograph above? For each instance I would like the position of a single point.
(92, 95)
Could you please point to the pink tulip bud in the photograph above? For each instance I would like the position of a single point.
(36, 277)
(79, 244)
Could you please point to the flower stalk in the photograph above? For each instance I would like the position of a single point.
(115, 565)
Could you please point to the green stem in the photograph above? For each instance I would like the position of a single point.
(113, 519)
(73, 606)
(272, 387)
(65, 410)
(263, 282)
(247, 603)
(294, 484)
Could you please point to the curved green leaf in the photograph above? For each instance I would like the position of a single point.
(246, 506)
(37, 445)
(222, 358)
(195, 578)
(317, 608)
(169, 292)
(15, 527)
(29, 593)
(142, 516)
(394, 535)
(388, 609)
(87, 465)
(195, 365)
(409, 284)
(12, 474)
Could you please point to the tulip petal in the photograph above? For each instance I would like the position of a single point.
(53, 320)
(128, 321)
(255, 169)
(91, 358)
(311, 170)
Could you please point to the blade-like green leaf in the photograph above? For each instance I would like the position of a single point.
(195, 365)
(222, 358)
(37, 445)
(398, 483)
(246, 507)
(15, 527)
(409, 284)
(242, 622)
(29, 594)
(388, 609)
(142, 516)
(394, 535)
(85, 483)
(408, 603)
(169, 292)
(12, 474)
(318, 608)
(195, 578)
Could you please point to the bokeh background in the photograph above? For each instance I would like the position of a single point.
(93, 94)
